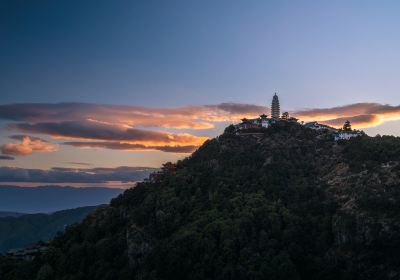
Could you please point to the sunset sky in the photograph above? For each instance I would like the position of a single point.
(90, 84)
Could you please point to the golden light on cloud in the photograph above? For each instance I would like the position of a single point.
(361, 115)
(27, 145)
(133, 128)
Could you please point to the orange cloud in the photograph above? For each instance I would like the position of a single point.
(361, 115)
(88, 130)
(27, 146)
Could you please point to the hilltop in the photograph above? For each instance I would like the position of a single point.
(287, 202)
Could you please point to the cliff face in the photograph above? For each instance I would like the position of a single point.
(287, 203)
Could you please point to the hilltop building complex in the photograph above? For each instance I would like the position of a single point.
(264, 121)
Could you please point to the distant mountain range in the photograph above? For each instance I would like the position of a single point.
(47, 199)
(10, 214)
(17, 232)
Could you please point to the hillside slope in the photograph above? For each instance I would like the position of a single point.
(289, 203)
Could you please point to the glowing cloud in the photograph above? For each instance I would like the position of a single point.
(89, 130)
(27, 146)
(361, 115)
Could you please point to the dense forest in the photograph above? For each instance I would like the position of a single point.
(284, 203)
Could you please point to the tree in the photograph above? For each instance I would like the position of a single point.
(347, 126)
(285, 116)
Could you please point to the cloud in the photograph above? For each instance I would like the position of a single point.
(133, 147)
(135, 128)
(89, 130)
(187, 117)
(238, 108)
(3, 157)
(75, 175)
(356, 121)
(78, 163)
(361, 115)
(122, 127)
(27, 146)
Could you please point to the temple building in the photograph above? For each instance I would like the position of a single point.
(263, 121)
(345, 133)
(275, 108)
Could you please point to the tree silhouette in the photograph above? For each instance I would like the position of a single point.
(347, 126)
(285, 116)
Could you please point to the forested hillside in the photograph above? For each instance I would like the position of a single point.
(286, 203)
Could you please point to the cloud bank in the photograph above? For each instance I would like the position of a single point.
(132, 147)
(89, 130)
(3, 157)
(134, 128)
(75, 175)
(361, 115)
(188, 117)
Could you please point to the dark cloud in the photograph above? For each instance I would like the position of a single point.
(238, 108)
(79, 163)
(346, 110)
(3, 157)
(41, 112)
(21, 137)
(74, 175)
(132, 147)
(362, 120)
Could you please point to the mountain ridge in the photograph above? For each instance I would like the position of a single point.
(20, 231)
(10, 214)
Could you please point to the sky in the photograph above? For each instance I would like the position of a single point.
(105, 84)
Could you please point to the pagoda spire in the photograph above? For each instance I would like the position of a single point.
(275, 108)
